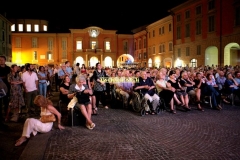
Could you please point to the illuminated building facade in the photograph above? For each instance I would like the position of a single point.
(206, 32)
(5, 38)
(32, 43)
(160, 43)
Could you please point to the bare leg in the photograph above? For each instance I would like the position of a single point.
(176, 99)
(186, 99)
(182, 100)
(172, 106)
(85, 114)
(89, 110)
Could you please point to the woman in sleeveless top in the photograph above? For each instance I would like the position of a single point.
(83, 69)
(32, 125)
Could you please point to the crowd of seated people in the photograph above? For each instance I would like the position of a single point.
(175, 86)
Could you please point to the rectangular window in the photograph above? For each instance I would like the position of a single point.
(187, 30)
(178, 32)
(64, 54)
(49, 56)
(94, 45)
(170, 27)
(144, 55)
(20, 27)
(3, 35)
(211, 22)
(50, 44)
(160, 48)
(9, 39)
(36, 27)
(187, 14)
(139, 56)
(35, 56)
(18, 42)
(34, 42)
(13, 28)
(187, 51)
(79, 45)
(29, 27)
(237, 16)
(211, 4)
(170, 46)
(198, 10)
(44, 27)
(198, 49)
(139, 44)
(153, 33)
(179, 52)
(198, 27)
(178, 18)
(108, 45)
(144, 42)
(64, 44)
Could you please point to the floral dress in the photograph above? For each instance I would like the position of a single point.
(16, 92)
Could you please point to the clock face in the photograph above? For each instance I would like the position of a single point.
(94, 33)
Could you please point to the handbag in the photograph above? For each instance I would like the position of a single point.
(48, 118)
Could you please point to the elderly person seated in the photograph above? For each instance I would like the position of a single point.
(147, 88)
(82, 92)
(126, 88)
(165, 91)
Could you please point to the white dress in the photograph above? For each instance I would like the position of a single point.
(33, 125)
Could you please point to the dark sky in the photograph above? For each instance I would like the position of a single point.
(118, 15)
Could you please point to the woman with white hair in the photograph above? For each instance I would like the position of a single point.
(82, 92)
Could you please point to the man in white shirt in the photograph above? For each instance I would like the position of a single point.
(30, 84)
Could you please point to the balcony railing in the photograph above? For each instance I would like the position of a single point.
(94, 50)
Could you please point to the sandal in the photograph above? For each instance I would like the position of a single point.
(20, 141)
(90, 126)
(94, 111)
(172, 111)
(200, 109)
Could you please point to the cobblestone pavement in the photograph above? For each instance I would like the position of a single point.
(122, 134)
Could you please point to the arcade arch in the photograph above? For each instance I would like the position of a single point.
(211, 55)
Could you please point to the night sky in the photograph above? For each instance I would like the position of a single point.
(118, 15)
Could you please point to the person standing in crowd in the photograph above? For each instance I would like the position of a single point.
(42, 83)
(99, 86)
(4, 90)
(76, 70)
(83, 69)
(62, 73)
(16, 94)
(30, 84)
(69, 69)
(57, 82)
(4, 71)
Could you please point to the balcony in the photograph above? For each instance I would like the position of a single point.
(94, 50)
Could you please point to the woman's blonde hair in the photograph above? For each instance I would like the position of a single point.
(41, 101)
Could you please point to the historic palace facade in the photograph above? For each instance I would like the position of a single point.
(34, 44)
